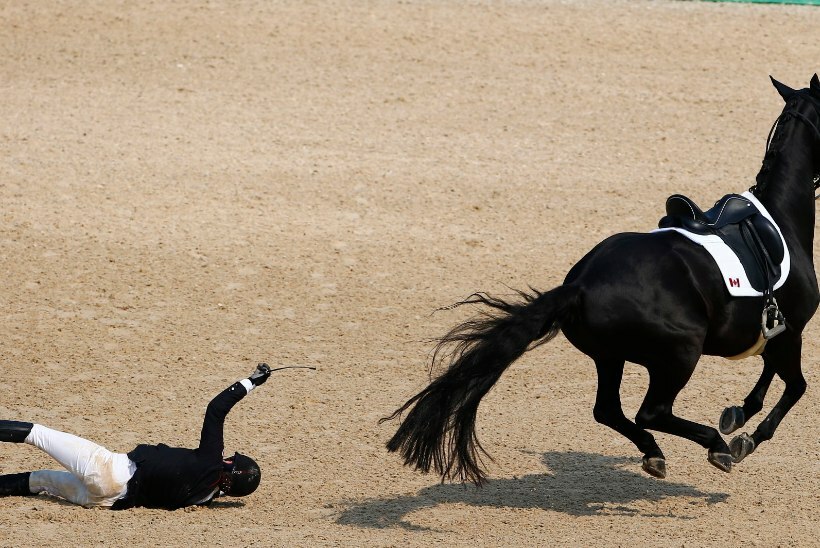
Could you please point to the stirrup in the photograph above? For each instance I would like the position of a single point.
(774, 318)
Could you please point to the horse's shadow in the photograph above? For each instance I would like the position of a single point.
(580, 484)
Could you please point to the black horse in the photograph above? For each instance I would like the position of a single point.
(654, 299)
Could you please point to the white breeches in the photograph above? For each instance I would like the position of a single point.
(95, 476)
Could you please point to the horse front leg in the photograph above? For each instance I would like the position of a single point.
(783, 357)
(735, 417)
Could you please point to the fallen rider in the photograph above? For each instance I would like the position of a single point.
(153, 476)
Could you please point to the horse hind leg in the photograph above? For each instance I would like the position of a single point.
(656, 413)
(608, 411)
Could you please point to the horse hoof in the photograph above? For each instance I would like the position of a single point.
(741, 447)
(655, 466)
(731, 419)
(722, 461)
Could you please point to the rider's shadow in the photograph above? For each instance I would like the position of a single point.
(580, 484)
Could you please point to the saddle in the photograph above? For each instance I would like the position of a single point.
(753, 238)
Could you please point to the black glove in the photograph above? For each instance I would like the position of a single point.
(260, 374)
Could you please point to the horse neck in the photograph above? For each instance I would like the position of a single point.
(785, 183)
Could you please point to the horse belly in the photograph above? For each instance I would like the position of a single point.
(641, 298)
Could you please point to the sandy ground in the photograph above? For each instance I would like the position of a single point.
(188, 188)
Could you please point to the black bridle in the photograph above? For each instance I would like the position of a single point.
(793, 113)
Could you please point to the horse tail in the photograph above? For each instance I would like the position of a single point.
(439, 431)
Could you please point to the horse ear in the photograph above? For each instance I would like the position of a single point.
(815, 83)
(784, 90)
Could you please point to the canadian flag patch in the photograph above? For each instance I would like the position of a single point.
(734, 282)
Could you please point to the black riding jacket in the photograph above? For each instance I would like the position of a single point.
(175, 477)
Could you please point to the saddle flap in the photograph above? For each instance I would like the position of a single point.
(770, 237)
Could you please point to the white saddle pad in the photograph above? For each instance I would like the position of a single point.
(734, 275)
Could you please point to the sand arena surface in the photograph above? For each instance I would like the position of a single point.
(188, 188)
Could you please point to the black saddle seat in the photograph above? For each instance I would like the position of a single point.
(730, 209)
(738, 222)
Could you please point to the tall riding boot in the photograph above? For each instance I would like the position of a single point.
(14, 484)
(14, 431)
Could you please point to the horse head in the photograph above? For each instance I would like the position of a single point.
(800, 138)
(796, 99)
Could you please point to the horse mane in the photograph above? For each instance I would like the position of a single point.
(772, 150)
